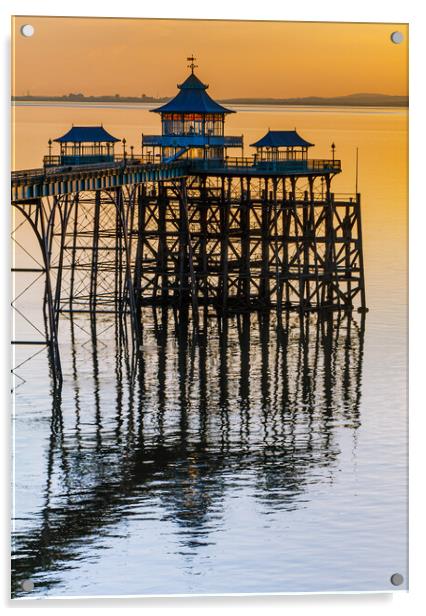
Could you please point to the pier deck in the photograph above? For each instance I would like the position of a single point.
(53, 180)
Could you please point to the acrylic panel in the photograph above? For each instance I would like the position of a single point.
(209, 307)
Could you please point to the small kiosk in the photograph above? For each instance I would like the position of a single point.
(83, 145)
(281, 146)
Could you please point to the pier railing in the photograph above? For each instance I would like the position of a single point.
(31, 183)
(193, 140)
(276, 166)
(58, 180)
(252, 163)
(119, 159)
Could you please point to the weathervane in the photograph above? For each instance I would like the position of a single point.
(192, 65)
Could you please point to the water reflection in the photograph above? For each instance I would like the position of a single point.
(253, 400)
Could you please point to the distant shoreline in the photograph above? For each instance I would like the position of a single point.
(351, 100)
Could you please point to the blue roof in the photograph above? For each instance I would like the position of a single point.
(192, 98)
(281, 138)
(86, 134)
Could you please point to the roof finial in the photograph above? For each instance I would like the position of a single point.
(192, 65)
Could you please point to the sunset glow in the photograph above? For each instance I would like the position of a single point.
(239, 59)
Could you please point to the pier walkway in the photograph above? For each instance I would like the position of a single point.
(60, 180)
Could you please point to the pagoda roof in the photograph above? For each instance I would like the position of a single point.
(192, 98)
(281, 138)
(86, 134)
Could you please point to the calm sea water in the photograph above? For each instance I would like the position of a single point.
(272, 457)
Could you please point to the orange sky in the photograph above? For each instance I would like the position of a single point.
(238, 59)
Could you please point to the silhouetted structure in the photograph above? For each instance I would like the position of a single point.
(195, 227)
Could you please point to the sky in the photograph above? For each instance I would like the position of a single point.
(132, 57)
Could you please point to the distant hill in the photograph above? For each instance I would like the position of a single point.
(82, 98)
(361, 99)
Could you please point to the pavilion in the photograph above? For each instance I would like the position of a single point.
(84, 145)
(281, 145)
(193, 125)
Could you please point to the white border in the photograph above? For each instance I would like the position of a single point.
(309, 10)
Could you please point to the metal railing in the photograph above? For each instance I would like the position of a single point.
(54, 167)
(318, 164)
(27, 175)
(194, 140)
(51, 160)
(254, 164)
(120, 164)
(61, 161)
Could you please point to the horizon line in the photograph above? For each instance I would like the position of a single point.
(81, 95)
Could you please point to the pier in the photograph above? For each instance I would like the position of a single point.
(185, 224)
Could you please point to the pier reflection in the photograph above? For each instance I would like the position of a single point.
(253, 404)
